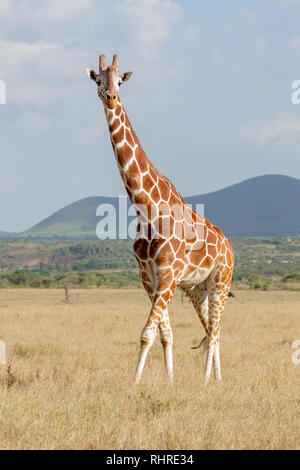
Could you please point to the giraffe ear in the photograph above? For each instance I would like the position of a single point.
(91, 74)
(126, 76)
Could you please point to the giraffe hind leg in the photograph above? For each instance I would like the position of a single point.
(202, 311)
(217, 296)
(199, 299)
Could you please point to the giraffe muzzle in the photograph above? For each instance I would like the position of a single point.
(111, 100)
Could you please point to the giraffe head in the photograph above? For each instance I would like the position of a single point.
(108, 81)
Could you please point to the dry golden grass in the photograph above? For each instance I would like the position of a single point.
(69, 381)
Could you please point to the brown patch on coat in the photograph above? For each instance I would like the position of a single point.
(197, 257)
(147, 183)
(124, 154)
(153, 174)
(140, 248)
(155, 245)
(119, 136)
(165, 256)
(141, 159)
(206, 262)
(212, 251)
(211, 237)
(154, 194)
(164, 190)
(129, 138)
(118, 110)
(114, 125)
(133, 177)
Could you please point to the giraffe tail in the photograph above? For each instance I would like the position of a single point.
(203, 343)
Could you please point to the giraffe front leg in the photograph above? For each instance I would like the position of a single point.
(158, 318)
(148, 336)
(213, 358)
(213, 352)
(161, 320)
(217, 363)
(166, 338)
(209, 361)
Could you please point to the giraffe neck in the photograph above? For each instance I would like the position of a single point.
(131, 159)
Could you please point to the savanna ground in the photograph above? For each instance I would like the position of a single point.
(67, 383)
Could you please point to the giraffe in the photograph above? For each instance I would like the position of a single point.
(174, 246)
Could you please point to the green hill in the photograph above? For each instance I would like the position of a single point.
(264, 206)
(77, 220)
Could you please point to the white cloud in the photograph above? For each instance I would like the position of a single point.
(289, 2)
(250, 18)
(44, 10)
(5, 6)
(294, 42)
(252, 23)
(50, 68)
(33, 93)
(260, 43)
(294, 49)
(58, 10)
(148, 22)
(191, 34)
(15, 52)
(41, 73)
(16, 59)
(282, 127)
(214, 54)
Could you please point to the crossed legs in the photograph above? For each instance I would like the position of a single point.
(158, 319)
(161, 321)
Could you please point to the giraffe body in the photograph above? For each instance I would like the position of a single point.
(174, 246)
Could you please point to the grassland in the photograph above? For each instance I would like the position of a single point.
(260, 263)
(67, 383)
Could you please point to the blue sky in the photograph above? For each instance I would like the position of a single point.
(210, 97)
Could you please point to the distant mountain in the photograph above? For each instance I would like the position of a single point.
(263, 206)
(7, 235)
(77, 220)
